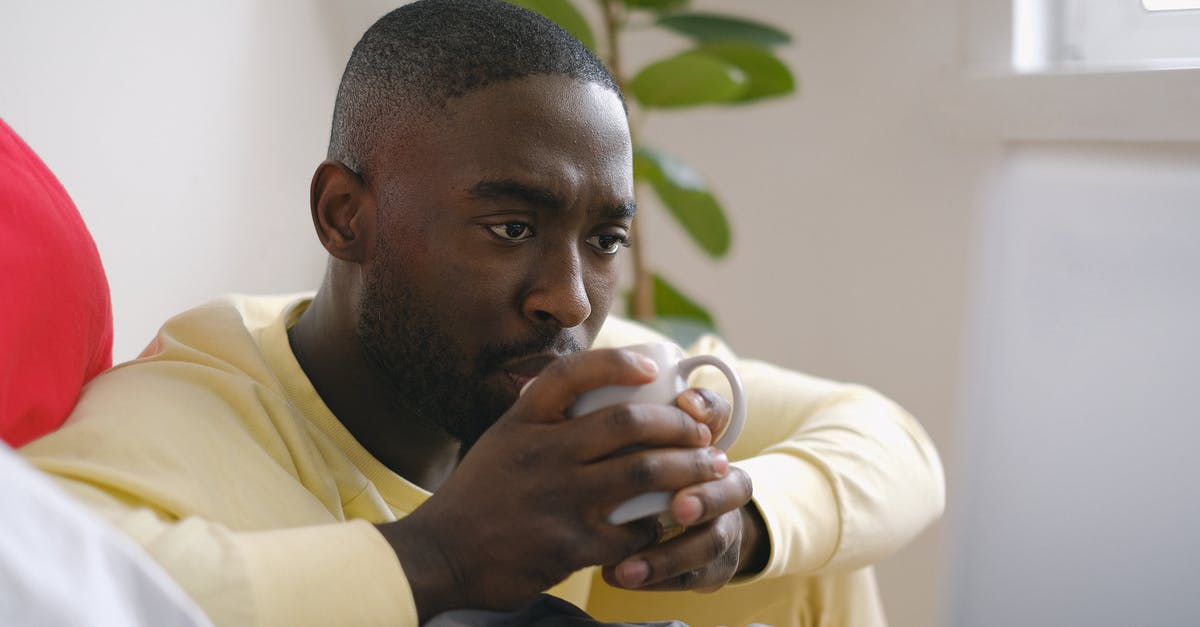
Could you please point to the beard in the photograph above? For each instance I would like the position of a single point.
(431, 377)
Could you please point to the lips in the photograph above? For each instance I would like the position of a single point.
(521, 371)
(519, 380)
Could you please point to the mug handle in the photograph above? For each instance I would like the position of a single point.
(652, 503)
(737, 419)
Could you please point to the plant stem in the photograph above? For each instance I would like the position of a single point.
(641, 303)
(614, 21)
(642, 295)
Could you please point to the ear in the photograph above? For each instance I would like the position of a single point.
(343, 211)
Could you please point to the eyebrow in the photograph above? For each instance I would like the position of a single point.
(542, 198)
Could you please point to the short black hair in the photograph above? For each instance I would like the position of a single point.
(415, 59)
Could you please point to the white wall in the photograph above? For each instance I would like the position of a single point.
(186, 133)
(1078, 500)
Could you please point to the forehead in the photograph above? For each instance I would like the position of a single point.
(552, 131)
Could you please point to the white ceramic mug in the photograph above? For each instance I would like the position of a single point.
(673, 371)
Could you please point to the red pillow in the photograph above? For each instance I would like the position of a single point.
(55, 312)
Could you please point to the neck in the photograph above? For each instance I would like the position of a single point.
(324, 342)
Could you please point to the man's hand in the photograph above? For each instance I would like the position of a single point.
(528, 505)
(725, 534)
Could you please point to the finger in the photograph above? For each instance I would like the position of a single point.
(616, 479)
(606, 431)
(707, 407)
(705, 557)
(703, 502)
(567, 377)
(614, 543)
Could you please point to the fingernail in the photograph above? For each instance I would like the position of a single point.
(702, 401)
(633, 573)
(695, 402)
(720, 462)
(705, 433)
(646, 364)
(690, 510)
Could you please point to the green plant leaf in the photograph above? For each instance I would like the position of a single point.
(768, 75)
(689, 79)
(563, 13)
(706, 27)
(655, 5)
(670, 303)
(687, 197)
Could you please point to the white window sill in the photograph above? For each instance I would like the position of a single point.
(1131, 104)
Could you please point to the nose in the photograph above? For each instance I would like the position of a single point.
(557, 295)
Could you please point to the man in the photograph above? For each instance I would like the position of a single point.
(366, 456)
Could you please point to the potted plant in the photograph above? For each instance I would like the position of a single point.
(729, 61)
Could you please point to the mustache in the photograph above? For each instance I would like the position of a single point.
(493, 356)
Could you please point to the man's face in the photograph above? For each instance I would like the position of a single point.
(499, 230)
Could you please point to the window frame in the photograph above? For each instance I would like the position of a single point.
(989, 99)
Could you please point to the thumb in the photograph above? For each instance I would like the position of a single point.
(550, 394)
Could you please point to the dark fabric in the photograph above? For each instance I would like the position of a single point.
(55, 313)
(546, 611)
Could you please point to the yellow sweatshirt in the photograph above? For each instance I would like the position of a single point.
(216, 454)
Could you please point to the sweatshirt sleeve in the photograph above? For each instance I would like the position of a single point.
(232, 493)
(843, 476)
(338, 573)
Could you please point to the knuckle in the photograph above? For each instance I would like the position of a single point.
(702, 464)
(720, 541)
(569, 552)
(714, 402)
(729, 564)
(688, 579)
(685, 426)
(642, 469)
(745, 484)
(624, 418)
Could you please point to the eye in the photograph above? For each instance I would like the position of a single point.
(512, 231)
(609, 243)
